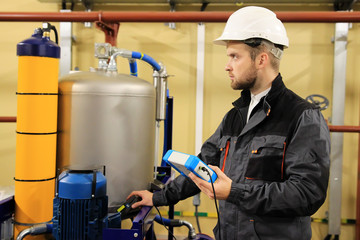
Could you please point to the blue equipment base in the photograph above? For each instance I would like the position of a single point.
(7, 208)
(142, 227)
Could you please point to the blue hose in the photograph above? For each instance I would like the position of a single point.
(147, 59)
(133, 68)
(49, 228)
(161, 220)
(169, 222)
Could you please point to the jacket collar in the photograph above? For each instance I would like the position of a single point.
(277, 88)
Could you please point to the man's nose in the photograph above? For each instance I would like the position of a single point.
(227, 67)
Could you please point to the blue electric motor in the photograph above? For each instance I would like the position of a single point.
(80, 205)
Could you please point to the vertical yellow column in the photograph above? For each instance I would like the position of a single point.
(37, 96)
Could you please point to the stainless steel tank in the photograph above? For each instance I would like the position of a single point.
(108, 120)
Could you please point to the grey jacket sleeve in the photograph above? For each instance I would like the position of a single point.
(183, 187)
(306, 175)
(178, 189)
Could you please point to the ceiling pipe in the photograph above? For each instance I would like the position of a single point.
(191, 16)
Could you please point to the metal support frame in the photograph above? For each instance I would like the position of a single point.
(111, 31)
(141, 225)
(168, 129)
(66, 46)
(200, 64)
(199, 86)
(338, 106)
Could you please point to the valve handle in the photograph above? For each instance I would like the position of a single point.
(319, 100)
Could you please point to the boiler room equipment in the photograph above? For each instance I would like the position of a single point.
(109, 119)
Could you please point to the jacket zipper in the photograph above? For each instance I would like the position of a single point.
(226, 153)
(282, 163)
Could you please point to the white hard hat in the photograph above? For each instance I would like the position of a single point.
(254, 22)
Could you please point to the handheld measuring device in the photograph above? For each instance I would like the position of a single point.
(186, 163)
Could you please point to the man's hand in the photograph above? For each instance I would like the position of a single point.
(146, 198)
(222, 185)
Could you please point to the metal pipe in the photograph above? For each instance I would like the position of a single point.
(156, 16)
(7, 119)
(35, 230)
(192, 234)
(354, 129)
(23, 234)
(332, 128)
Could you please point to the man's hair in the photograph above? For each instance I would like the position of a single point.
(258, 46)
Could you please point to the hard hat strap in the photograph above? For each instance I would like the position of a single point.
(276, 52)
(255, 42)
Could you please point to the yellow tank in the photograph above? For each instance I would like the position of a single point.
(37, 100)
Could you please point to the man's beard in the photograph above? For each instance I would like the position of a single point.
(248, 81)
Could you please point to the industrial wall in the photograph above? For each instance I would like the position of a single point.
(307, 68)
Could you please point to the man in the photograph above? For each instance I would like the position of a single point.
(270, 152)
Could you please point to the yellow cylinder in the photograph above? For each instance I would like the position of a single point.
(37, 74)
(36, 113)
(35, 156)
(28, 196)
(37, 96)
(33, 204)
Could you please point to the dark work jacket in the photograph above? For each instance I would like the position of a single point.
(278, 163)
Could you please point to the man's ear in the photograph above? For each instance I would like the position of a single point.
(262, 60)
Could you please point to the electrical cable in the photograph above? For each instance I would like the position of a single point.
(164, 223)
(63, 4)
(47, 27)
(72, 5)
(216, 206)
(197, 218)
(56, 34)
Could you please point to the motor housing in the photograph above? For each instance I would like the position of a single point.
(80, 205)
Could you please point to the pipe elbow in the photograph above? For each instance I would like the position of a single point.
(23, 234)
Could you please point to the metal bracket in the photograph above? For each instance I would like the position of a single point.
(66, 41)
(111, 31)
(172, 4)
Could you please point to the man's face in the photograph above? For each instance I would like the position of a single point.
(241, 67)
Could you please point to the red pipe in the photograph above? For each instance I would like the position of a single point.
(353, 129)
(116, 16)
(7, 119)
(332, 128)
(189, 16)
(319, 16)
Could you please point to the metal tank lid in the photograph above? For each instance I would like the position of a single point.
(98, 83)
